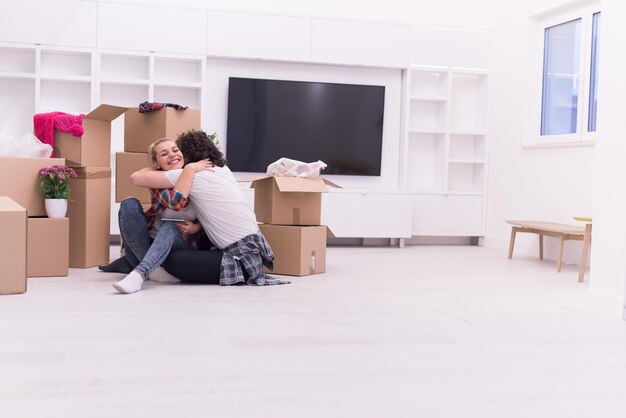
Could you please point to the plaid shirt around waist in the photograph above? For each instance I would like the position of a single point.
(250, 253)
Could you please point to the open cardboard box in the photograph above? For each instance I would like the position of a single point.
(289, 200)
(93, 148)
(142, 129)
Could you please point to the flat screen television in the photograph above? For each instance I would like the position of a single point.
(340, 124)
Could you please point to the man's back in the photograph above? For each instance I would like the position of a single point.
(220, 205)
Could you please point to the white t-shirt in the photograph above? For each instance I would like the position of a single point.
(220, 205)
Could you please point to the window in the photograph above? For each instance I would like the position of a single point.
(561, 67)
(564, 95)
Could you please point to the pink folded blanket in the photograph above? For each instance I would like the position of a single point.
(46, 123)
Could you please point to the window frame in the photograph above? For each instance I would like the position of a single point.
(538, 25)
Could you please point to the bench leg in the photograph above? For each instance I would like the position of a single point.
(585, 256)
(541, 246)
(560, 260)
(512, 242)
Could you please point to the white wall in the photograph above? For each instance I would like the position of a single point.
(542, 184)
(608, 250)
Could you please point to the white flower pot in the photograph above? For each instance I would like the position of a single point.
(56, 208)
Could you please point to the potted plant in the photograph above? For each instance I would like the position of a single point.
(55, 183)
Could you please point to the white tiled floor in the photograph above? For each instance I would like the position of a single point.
(423, 331)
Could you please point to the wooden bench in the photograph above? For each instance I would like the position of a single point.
(561, 231)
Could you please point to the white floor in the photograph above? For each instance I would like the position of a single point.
(423, 331)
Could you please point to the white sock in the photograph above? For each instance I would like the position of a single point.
(160, 275)
(130, 284)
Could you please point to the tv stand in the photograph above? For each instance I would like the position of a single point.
(368, 213)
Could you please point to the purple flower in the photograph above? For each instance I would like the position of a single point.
(56, 181)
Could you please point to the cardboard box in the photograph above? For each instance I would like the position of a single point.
(289, 200)
(21, 182)
(298, 250)
(48, 247)
(126, 163)
(142, 129)
(89, 211)
(94, 147)
(12, 247)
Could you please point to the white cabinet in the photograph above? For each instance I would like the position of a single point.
(258, 36)
(153, 28)
(445, 148)
(367, 214)
(447, 215)
(362, 213)
(360, 43)
(69, 23)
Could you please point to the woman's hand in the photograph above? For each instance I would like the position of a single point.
(188, 228)
(200, 166)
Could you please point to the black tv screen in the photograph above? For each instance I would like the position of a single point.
(340, 124)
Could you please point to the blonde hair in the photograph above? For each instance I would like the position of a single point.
(152, 148)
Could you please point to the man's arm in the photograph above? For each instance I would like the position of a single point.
(183, 185)
(152, 178)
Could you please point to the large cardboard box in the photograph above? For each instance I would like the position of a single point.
(12, 247)
(298, 250)
(94, 147)
(89, 212)
(142, 129)
(21, 182)
(289, 200)
(126, 163)
(48, 247)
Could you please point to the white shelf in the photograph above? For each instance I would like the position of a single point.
(429, 98)
(445, 149)
(64, 64)
(17, 60)
(76, 80)
(466, 161)
(427, 131)
(10, 75)
(125, 82)
(117, 66)
(69, 78)
(190, 85)
(468, 132)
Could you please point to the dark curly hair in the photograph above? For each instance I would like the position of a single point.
(197, 145)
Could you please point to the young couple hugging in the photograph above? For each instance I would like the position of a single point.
(200, 227)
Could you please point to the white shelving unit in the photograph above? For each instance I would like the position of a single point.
(38, 79)
(445, 148)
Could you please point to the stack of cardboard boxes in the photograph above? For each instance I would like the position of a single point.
(90, 199)
(45, 240)
(34, 245)
(141, 130)
(290, 209)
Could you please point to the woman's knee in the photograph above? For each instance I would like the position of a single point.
(130, 204)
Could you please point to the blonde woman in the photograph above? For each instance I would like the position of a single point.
(149, 238)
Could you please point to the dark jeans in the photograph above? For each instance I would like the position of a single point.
(188, 265)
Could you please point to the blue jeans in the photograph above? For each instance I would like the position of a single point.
(141, 253)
